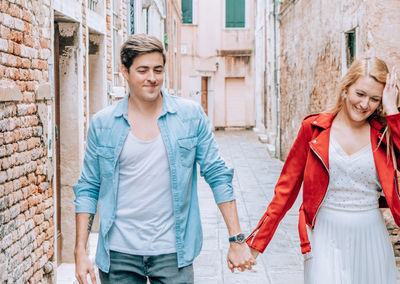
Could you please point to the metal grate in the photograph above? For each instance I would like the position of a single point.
(92, 4)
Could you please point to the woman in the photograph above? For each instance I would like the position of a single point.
(345, 159)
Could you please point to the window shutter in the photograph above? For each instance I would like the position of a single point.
(187, 11)
(235, 13)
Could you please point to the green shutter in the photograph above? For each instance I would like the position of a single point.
(187, 11)
(235, 13)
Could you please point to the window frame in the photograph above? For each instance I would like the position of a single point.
(194, 13)
(246, 16)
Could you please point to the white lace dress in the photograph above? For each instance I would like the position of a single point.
(350, 243)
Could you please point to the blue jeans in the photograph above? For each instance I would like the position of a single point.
(136, 269)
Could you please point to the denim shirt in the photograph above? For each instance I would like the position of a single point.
(188, 138)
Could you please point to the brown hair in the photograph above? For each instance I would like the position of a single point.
(377, 69)
(139, 44)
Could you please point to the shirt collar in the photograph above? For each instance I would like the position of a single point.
(168, 106)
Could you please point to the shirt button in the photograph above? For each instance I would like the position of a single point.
(314, 141)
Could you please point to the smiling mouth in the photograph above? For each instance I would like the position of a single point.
(359, 110)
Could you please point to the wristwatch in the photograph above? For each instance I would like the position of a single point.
(239, 238)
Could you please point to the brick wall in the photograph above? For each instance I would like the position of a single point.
(26, 195)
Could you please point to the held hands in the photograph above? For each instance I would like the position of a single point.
(390, 93)
(240, 257)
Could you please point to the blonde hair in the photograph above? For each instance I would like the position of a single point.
(376, 69)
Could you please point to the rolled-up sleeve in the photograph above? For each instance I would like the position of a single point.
(212, 167)
(87, 188)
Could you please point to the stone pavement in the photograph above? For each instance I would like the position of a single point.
(255, 176)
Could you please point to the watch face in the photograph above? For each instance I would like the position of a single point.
(240, 238)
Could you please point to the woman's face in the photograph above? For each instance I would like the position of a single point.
(363, 98)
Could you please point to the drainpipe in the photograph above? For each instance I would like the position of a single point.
(278, 144)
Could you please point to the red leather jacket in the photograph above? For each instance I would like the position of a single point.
(308, 164)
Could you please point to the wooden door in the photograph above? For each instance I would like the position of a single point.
(204, 94)
(235, 102)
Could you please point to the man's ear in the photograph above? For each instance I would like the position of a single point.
(125, 72)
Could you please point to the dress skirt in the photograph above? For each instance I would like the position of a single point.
(349, 247)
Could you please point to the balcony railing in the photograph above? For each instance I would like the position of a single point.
(92, 4)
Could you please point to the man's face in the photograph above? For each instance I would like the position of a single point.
(145, 76)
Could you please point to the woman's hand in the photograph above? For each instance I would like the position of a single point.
(254, 252)
(390, 93)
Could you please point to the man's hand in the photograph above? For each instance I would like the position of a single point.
(240, 257)
(83, 267)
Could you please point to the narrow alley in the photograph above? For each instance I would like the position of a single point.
(255, 176)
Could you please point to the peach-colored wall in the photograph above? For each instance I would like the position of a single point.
(209, 49)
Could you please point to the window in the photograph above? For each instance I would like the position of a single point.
(116, 42)
(350, 47)
(187, 11)
(132, 16)
(235, 14)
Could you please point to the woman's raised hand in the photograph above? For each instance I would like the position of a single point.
(390, 93)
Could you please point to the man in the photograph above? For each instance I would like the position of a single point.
(140, 164)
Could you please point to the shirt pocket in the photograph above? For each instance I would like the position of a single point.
(187, 150)
(106, 161)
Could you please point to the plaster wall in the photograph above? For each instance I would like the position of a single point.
(71, 131)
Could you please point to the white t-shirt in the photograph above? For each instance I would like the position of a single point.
(144, 220)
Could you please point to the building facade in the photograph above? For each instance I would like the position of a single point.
(217, 51)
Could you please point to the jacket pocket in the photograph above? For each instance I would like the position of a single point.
(106, 161)
(187, 150)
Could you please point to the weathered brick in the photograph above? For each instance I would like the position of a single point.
(8, 188)
(3, 177)
(5, 32)
(29, 225)
(3, 151)
(16, 36)
(28, 261)
(38, 219)
(3, 45)
(19, 25)
(24, 205)
(26, 16)
(27, 131)
(8, 21)
(14, 211)
(33, 142)
(36, 154)
(14, 11)
(21, 232)
(20, 220)
(18, 271)
(37, 130)
(3, 203)
(6, 216)
(6, 242)
(48, 214)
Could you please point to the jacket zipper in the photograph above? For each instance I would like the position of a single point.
(256, 231)
(396, 185)
(326, 168)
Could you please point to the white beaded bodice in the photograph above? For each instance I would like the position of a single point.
(353, 179)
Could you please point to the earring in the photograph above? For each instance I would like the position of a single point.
(344, 95)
